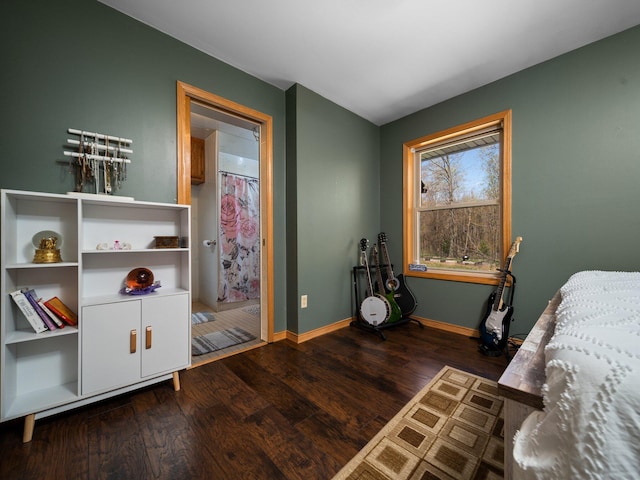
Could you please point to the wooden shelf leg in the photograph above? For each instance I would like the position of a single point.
(176, 381)
(29, 425)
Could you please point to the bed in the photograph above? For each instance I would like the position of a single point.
(572, 392)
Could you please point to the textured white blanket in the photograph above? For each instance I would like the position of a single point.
(590, 426)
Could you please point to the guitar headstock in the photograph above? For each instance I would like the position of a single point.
(515, 247)
(363, 244)
(374, 253)
(382, 237)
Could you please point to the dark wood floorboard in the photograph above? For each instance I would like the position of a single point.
(283, 411)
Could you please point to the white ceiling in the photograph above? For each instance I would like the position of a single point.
(384, 59)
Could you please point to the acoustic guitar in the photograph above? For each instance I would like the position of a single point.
(395, 314)
(374, 309)
(494, 328)
(396, 285)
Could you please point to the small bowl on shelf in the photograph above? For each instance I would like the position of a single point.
(140, 282)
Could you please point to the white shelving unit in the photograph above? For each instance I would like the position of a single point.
(122, 342)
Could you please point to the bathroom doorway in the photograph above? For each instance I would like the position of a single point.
(224, 174)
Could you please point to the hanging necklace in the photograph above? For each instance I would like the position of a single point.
(107, 167)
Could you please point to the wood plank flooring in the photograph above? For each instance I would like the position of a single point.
(282, 411)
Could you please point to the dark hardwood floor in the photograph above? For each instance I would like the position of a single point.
(283, 411)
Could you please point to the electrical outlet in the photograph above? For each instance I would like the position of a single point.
(303, 301)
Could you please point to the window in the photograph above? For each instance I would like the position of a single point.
(457, 201)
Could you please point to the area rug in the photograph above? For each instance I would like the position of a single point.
(214, 341)
(252, 310)
(202, 317)
(452, 429)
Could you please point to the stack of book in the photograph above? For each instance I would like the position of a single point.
(43, 315)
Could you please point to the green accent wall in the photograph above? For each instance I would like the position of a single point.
(576, 170)
(80, 64)
(337, 177)
(333, 184)
(292, 211)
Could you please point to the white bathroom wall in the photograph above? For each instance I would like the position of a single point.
(238, 155)
(228, 153)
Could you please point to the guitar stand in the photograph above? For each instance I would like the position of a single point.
(379, 328)
(361, 324)
(503, 350)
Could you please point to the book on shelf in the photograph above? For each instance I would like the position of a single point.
(61, 310)
(33, 300)
(52, 315)
(28, 311)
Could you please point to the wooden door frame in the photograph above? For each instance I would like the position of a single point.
(185, 94)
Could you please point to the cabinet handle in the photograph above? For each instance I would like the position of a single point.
(148, 338)
(133, 337)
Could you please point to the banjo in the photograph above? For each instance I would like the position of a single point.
(374, 309)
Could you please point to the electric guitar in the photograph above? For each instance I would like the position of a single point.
(494, 328)
(374, 309)
(395, 314)
(397, 285)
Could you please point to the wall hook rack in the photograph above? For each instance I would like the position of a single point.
(100, 162)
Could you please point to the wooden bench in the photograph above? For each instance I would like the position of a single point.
(522, 381)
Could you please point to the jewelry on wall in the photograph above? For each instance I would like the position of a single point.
(100, 162)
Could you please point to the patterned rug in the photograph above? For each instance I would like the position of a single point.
(452, 429)
(214, 341)
(252, 310)
(202, 317)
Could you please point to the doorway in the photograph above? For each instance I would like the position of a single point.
(224, 158)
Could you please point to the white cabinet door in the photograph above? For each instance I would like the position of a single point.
(110, 346)
(165, 334)
(125, 342)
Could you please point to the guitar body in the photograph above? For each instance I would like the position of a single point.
(397, 287)
(396, 313)
(375, 310)
(494, 328)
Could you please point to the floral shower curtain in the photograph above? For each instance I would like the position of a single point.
(239, 272)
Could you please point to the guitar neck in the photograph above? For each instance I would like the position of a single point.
(385, 254)
(497, 303)
(363, 249)
(376, 266)
(369, 281)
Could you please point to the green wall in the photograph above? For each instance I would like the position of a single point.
(80, 64)
(576, 169)
(576, 153)
(333, 179)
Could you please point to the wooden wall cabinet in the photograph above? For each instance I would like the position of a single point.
(46, 373)
(197, 161)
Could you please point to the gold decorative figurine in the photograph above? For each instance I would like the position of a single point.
(47, 244)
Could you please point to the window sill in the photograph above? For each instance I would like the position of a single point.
(492, 278)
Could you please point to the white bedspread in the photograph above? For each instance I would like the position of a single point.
(590, 426)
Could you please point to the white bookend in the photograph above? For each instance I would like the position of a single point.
(29, 312)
